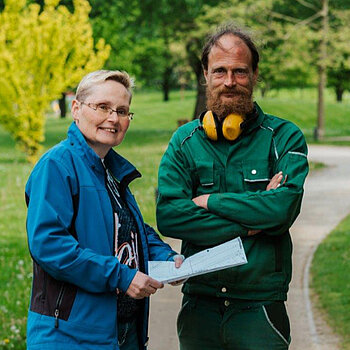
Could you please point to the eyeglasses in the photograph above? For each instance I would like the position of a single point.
(103, 109)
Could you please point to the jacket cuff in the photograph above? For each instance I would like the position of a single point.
(171, 256)
(126, 275)
(214, 203)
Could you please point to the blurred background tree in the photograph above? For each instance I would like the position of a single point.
(43, 51)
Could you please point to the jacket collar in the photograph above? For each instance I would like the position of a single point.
(256, 120)
(121, 168)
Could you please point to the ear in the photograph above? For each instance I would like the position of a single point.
(206, 75)
(75, 110)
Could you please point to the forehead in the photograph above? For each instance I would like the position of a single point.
(110, 91)
(228, 50)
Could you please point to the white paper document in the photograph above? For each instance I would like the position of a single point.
(225, 255)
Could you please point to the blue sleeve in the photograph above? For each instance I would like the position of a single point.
(158, 249)
(50, 191)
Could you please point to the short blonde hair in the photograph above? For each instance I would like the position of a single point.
(100, 76)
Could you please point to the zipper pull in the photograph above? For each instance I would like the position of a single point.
(57, 312)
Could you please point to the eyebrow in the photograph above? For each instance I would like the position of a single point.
(107, 102)
(219, 67)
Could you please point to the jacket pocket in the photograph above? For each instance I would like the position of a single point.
(256, 175)
(49, 294)
(208, 177)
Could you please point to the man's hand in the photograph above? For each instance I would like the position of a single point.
(202, 201)
(253, 232)
(275, 182)
(179, 259)
(143, 286)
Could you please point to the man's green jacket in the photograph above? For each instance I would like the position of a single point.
(235, 174)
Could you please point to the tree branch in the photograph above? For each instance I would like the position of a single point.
(307, 4)
(303, 23)
(284, 17)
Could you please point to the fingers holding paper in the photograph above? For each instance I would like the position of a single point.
(179, 259)
(143, 286)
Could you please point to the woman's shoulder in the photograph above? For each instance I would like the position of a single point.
(60, 156)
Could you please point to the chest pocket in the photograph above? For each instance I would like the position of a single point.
(208, 177)
(256, 175)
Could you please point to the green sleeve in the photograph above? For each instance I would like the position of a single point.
(177, 215)
(272, 211)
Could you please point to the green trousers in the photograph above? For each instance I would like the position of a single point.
(218, 324)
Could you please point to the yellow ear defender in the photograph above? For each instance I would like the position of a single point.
(230, 128)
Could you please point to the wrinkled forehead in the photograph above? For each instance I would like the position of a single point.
(230, 45)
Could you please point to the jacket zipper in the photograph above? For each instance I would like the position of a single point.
(58, 304)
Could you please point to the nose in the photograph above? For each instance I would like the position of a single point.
(230, 79)
(113, 116)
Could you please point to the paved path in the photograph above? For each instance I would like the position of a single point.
(326, 202)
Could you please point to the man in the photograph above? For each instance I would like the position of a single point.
(236, 171)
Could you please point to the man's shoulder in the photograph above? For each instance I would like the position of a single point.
(278, 124)
(187, 131)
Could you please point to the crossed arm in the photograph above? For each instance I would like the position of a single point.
(275, 182)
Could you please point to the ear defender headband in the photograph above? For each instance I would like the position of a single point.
(230, 128)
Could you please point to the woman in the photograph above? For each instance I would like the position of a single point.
(89, 244)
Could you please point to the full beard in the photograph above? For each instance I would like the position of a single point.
(240, 103)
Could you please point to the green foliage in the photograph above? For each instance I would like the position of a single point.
(305, 17)
(330, 279)
(116, 21)
(339, 67)
(42, 53)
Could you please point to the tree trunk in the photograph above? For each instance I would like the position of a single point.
(62, 105)
(201, 101)
(196, 65)
(339, 92)
(322, 73)
(166, 82)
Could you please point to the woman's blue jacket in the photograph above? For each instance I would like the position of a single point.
(70, 230)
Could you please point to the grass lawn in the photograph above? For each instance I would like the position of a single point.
(145, 142)
(330, 279)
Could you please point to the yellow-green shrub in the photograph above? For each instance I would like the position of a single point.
(42, 53)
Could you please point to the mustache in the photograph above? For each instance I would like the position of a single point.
(236, 90)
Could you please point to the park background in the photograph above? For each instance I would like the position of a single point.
(46, 47)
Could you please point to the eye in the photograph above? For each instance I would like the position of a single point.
(103, 107)
(122, 112)
(219, 70)
(241, 72)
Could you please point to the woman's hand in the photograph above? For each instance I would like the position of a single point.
(179, 259)
(143, 286)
